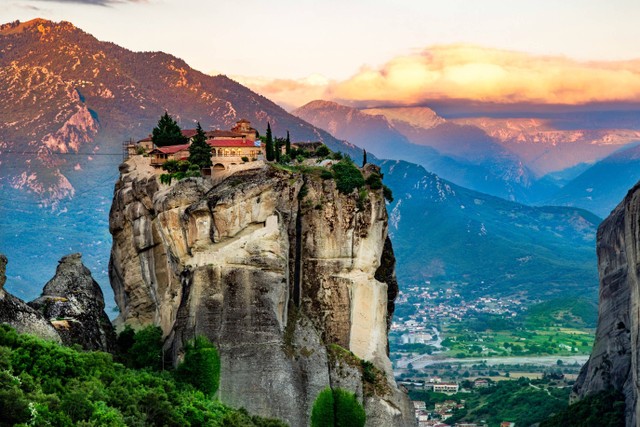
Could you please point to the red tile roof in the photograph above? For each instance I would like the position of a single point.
(231, 143)
(172, 149)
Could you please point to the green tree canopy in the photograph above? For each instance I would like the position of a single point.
(167, 132)
(287, 145)
(146, 351)
(199, 150)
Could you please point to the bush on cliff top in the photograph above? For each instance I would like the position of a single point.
(347, 175)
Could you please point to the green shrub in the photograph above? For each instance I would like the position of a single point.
(146, 351)
(201, 366)
(388, 195)
(363, 196)
(374, 181)
(337, 408)
(326, 174)
(348, 176)
(322, 413)
(368, 371)
(170, 166)
(349, 412)
(336, 156)
(244, 159)
(165, 178)
(323, 151)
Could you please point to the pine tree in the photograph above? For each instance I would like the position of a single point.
(278, 148)
(199, 150)
(269, 147)
(167, 132)
(288, 145)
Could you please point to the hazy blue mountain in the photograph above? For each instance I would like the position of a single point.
(443, 232)
(463, 154)
(602, 186)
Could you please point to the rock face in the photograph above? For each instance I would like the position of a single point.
(288, 277)
(614, 361)
(73, 303)
(70, 310)
(18, 314)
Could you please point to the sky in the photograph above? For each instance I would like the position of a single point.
(380, 50)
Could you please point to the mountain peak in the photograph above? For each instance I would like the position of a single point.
(321, 103)
(39, 24)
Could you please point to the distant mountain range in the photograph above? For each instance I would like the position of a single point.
(585, 160)
(461, 153)
(602, 186)
(444, 232)
(71, 100)
(545, 148)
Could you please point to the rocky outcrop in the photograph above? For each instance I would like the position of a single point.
(614, 361)
(70, 310)
(74, 304)
(278, 269)
(18, 314)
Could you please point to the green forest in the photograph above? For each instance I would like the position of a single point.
(43, 383)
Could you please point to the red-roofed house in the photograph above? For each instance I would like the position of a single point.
(171, 152)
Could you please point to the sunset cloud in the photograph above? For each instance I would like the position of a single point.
(286, 92)
(472, 73)
(491, 75)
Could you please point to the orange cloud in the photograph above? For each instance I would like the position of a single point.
(465, 72)
(286, 92)
(492, 75)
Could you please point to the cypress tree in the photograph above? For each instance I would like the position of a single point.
(364, 157)
(199, 150)
(278, 148)
(287, 145)
(167, 132)
(269, 147)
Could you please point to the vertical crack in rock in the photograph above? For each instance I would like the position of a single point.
(297, 269)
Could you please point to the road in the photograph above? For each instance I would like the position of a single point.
(429, 360)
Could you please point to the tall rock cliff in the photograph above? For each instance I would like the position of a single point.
(614, 361)
(74, 304)
(292, 280)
